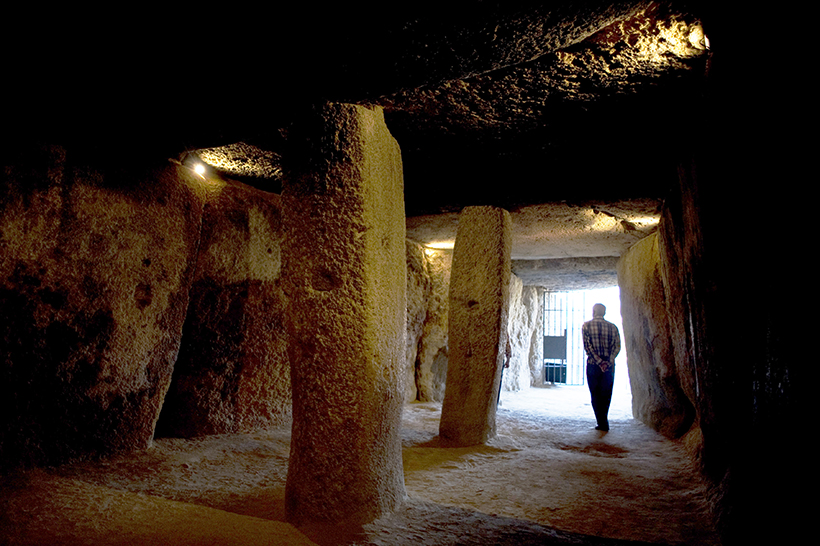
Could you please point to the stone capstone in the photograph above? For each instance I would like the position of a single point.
(567, 274)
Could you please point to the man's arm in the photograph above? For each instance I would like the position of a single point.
(590, 350)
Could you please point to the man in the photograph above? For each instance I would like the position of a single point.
(602, 343)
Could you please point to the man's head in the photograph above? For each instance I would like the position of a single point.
(598, 310)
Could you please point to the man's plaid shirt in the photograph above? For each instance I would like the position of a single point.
(602, 341)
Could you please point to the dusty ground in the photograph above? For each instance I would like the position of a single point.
(549, 478)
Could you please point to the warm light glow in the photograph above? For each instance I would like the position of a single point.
(697, 38)
(676, 38)
(209, 179)
(441, 245)
(643, 221)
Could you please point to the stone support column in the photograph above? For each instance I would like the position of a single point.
(479, 304)
(344, 276)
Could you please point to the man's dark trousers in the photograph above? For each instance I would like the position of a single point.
(600, 387)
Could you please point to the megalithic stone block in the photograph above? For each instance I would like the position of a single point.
(96, 263)
(344, 276)
(232, 373)
(657, 397)
(479, 303)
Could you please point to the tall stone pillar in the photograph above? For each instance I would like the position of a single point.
(343, 272)
(479, 303)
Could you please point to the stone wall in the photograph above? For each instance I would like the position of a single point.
(428, 369)
(112, 281)
(419, 289)
(707, 345)
(657, 397)
(524, 318)
(232, 373)
(95, 268)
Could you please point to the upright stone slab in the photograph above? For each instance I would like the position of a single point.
(96, 261)
(431, 366)
(232, 373)
(479, 305)
(419, 288)
(343, 257)
(657, 397)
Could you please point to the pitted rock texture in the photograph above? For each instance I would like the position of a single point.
(344, 277)
(561, 125)
(232, 373)
(433, 351)
(412, 44)
(478, 337)
(96, 263)
(629, 56)
(419, 290)
(657, 397)
(526, 310)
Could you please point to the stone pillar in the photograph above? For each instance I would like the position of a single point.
(479, 304)
(343, 272)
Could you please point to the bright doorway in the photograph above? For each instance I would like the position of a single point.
(564, 313)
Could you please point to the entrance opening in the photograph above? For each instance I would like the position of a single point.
(564, 313)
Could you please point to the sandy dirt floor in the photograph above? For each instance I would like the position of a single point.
(548, 478)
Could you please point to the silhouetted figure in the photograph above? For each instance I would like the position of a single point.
(602, 343)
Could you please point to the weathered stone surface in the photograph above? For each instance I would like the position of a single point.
(619, 60)
(344, 276)
(565, 274)
(479, 307)
(522, 321)
(657, 398)
(419, 288)
(558, 231)
(232, 374)
(536, 358)
(95, 267)
(433, 352)
(412, 44)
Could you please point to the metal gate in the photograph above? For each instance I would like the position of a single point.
(564, 357)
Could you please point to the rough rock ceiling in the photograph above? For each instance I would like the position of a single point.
(556, 230)
(549, 109)
(577, 140)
